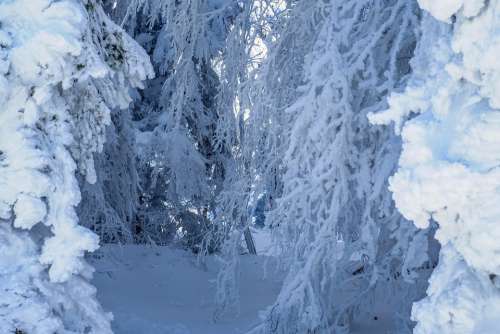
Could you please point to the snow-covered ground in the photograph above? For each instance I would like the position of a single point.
(159, 290)
(162, 290)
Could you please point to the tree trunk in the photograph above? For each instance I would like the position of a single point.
(249, 241)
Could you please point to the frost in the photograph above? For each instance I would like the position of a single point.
(29, 210)
(50, 58)
(444, 9)
(460, 300)
(449, 167)
(343, 244)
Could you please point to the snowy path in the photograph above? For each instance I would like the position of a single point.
(161, 291)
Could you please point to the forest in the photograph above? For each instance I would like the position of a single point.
(249, 166)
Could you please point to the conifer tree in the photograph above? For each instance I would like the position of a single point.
(63, 66)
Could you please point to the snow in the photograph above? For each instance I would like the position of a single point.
(335, 166)
(52, 34)
(30, 302)
(156, 290)
(444, 9)
(51, 122)
(344, 257)
(449, 166)
(19, 265)
(460, 301)
(29, 210)
(163, 290)
(264, 242)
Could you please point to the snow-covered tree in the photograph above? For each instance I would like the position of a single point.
(63, 66)
(180, 121)
(287, 31)
(448, 173)
(343, 243)
(109, 206)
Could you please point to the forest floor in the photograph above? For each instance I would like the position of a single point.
(160, 290)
